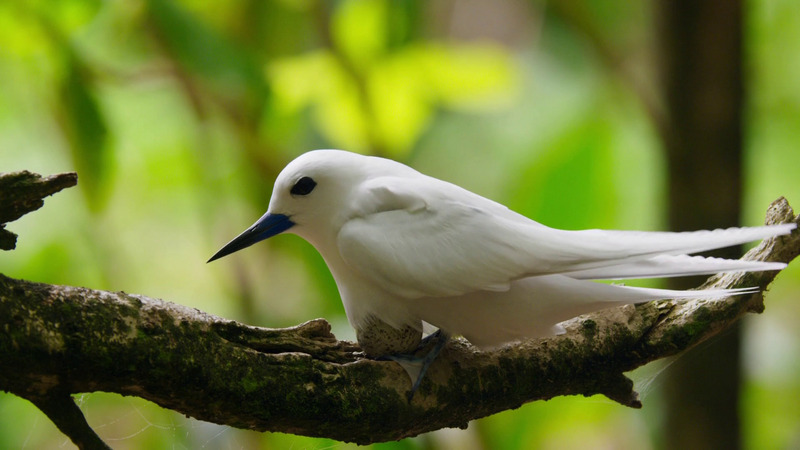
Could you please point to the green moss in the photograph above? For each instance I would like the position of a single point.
(589, 328)
(687, 333)
(250, 384)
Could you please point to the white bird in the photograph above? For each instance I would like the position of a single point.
(406, 248)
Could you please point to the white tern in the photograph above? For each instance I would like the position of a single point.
(406, 248)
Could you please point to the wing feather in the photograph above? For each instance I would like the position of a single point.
(430, 238)
(429, 253)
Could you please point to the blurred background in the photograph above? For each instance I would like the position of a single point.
(179, 114)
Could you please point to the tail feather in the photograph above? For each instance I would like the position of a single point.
(672, 266)
(630, 246)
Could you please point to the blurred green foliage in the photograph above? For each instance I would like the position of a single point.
(178, 115)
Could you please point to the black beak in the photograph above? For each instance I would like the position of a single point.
(267, 226)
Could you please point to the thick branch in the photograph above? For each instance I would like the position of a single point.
(301, 380)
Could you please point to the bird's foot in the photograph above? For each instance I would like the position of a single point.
(416, 366)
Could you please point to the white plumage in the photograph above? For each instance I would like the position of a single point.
(404, 248)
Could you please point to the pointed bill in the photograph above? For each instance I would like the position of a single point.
(267, 226)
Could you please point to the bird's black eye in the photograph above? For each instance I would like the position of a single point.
(304, 186)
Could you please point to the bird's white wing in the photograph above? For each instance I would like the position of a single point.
(431, 238)
(428, 253)
(424, 237)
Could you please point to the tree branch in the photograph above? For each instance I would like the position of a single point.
(62, 340)
(66, 415)
(23, 192)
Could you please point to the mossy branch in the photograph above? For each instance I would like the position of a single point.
(63, 340)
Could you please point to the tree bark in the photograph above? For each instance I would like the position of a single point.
(62, 340)
(23, 192)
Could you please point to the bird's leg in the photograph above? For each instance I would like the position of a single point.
(415, 366)
(442, 339)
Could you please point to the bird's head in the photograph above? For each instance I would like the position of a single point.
(312, 197)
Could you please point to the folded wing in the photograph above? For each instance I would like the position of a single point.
(453, 242)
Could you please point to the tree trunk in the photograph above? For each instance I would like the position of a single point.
(701, 48)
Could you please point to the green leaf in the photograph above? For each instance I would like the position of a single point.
(21, 33)
(86, 131)
(406, 88)
(333, 97)
(401, 103)
(469, 77)
(358, 29)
